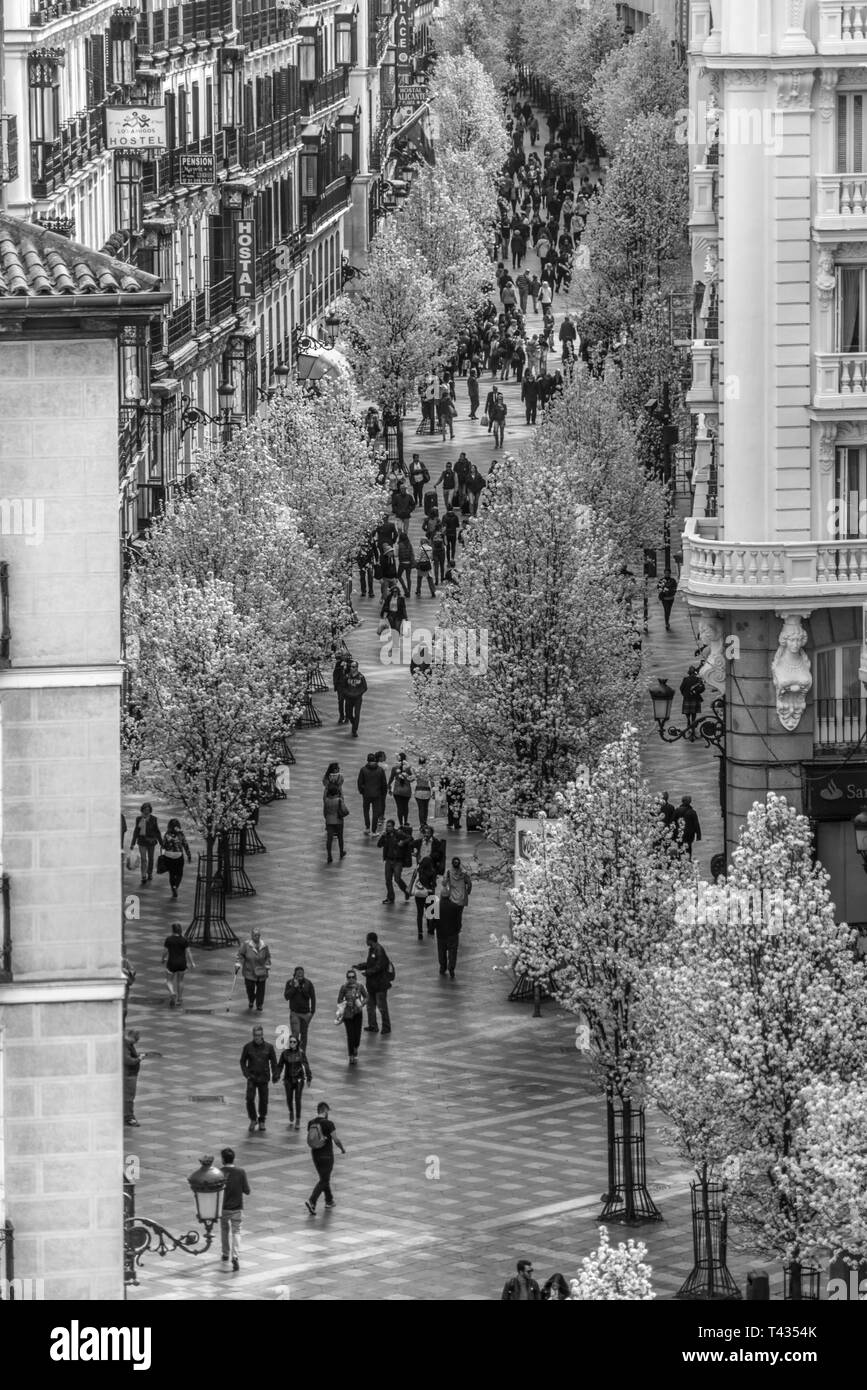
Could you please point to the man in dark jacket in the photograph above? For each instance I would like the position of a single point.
(522, 1288)
(686, 820)
(341, 666)
(392, 857)
(373, 786)
(451, 527)
(376, 970)
(462, 474)
(354, 690)
(301, 998)
(236, 1189)
(259, 1066)
(529, 395)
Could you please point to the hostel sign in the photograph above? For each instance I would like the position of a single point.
(403, 41)
(135, 127)
(245, 258)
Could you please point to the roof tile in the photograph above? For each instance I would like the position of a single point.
(37, 262)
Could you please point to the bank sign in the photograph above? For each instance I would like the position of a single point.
(245, 258)
(834, 793)
(135, 127)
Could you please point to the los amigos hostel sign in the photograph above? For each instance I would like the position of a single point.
(135, 127)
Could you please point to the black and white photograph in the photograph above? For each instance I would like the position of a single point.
(433, 664)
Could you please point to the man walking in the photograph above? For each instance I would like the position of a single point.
(392, 857)
(373, 786)
(236, 1189)
(321, 1138)
(378, 972)
(522, 1287)
(301, 998)
(254, 959)
(667, 589)
(457, 886)
(131, 1069)
(687, 823)
(259, 1066)
(354, 691)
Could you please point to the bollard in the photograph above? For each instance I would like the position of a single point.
(537, 1000)
(758, 1289)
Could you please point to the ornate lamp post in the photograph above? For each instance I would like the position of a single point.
(709, 727)
(193, 414)
(142, 1235)
(311, 364)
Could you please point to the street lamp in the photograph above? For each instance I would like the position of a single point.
(711, 728)
(282, 373)
(859, 825)
(311, 364)
(193, 415)
(332, 323)
(142, 1235)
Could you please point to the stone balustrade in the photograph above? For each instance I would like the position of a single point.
(752, 574)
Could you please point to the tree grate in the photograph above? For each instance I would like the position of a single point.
(208, 1100)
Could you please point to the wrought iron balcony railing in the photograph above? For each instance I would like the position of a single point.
(263, 26)
(77, 142)
(338, 194)
(325, 91)
(840, 723)
(269, 141)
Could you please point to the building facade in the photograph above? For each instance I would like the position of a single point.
(62, 311)
(233, 148)
(775, 554)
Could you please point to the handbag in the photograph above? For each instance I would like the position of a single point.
(340, 1011)
(130, 860)
(485, 421)
(343, 809)
(162, 864)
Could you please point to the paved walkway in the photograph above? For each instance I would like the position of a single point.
(475, 1133)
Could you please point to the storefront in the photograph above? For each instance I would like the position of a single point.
(833, 796)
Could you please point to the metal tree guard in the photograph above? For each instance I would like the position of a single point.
(315, 679)
(801, 1283)
(709, 1279)
(230, 866)
(627, 1200)
(219, 931)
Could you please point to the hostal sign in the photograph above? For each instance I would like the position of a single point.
(135, 127)
(245, 258)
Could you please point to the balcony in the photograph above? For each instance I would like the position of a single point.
(77, 142)
(757, 575)
(265, 26)
(841, 203)
(840, 724)
(43, 13)
(269, 141)
(703, 394)
(841, 380)
(324, 92)
(842, 27)
(337, 195)
(704, 199)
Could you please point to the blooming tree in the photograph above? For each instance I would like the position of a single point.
(636, 80)
(467, 110)
(211, 697)
(471, 188)
(442, 234)
(613, 1273)
(594, 905)
(475, 25)
(760, 993)
(538, 586)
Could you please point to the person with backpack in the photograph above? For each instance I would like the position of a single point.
(378, 972)
(174, 848)
(335, 811)
(321, 1138)
(392, 858)
(400, 785)
(350, 1009)
(294, 1068)
(418, 476)
(373, 787)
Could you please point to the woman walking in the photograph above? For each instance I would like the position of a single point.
(423, 791)
(334, 810)
(177, 960)
(146, 835)
(174, 848)
(422, 885)
(350, 1008)
(400, 785)
(473, 392)
(294, 1068)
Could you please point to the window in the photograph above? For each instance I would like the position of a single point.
(309, 183)
(127, 188)
(121, 62)
(183, 124)
(840, 704)
(194, 101)
(344, 41)
(307, 59)
(851, 131)
(851, 308)
(850, 494)
(94, 62)
(44, 82)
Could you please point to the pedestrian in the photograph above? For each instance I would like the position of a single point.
(687, 823)
(473, 392)
(365, 558)
(146, 834)
(335, 811)
(522, 1288)
(667, 811)
(499, 412)
(350, 1010)
(529, 396)
(321, 1138)
(667, 589)
(131, 1069)
(455, 792)
(418, 476)
(354, 691)
(533, 128)
(394, 608)
(129, 974)
(692, 689)
(254, 959)
(177, 960)
(402, 505)
(294, 1068)
(174, 847)
(392, 858)
(405, 563)
(332, 778)
(475, 486)
(338, 680)
(400, 785)
(378, 973)
(373, 787)
(446, 413)
(457, 886)
(422, 885)
(449, 483)
(232, 1213)
(424, 790)
(300, 995)
(438, 552)
(424, 567)
(259, 1067)
(430, 846)
(522, 285)
(556, 1290)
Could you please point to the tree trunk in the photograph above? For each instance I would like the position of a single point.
(628, 1175)
(795, 1287)
(209, 875)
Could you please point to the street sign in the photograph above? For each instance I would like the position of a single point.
(194, 169)
(412, 95)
